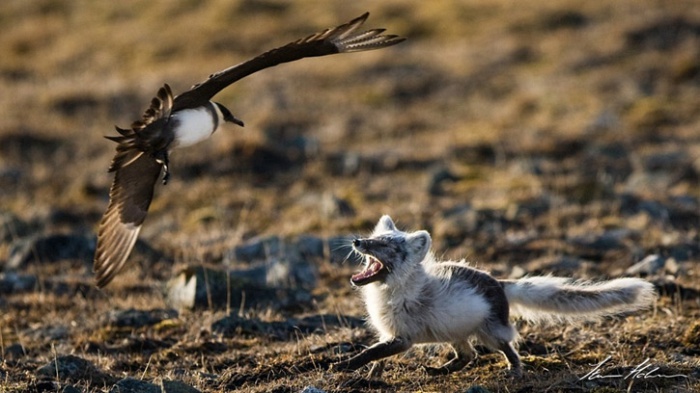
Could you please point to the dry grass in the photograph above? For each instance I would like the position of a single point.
(573, 104)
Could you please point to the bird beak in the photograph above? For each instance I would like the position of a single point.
(236, 120)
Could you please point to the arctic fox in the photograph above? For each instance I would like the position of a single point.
(412, 298)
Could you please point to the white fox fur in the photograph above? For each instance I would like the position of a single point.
(550, 298)
(412, 298)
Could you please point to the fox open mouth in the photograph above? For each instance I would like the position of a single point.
(373, 271)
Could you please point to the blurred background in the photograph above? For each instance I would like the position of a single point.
(516, 109)
(526, 136)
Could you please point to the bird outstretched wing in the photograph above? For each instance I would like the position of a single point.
(130, 197)
(341, 39)
(136, 173)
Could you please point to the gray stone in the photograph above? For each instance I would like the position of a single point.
(290, 271)
(257, 249)
(132, 385)
(343, 163)
(12, 227)
(139, 318)
(207, 287)
(51, 248)
(11, 282)
(73, 368)
(14, 352)
(310, 246)
(233, 325)
(176, 387)
(333, 207)
(312, 389)
(609, 240)
(438, 178)
(650, 265)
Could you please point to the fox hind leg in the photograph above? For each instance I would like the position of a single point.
(512, 355)
(500, 335)
(464, 354)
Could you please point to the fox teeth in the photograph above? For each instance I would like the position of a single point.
(372, 268)
(375, 265)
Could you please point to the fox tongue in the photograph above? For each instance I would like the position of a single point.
(373, 267)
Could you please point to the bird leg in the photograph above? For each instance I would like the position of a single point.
(162, 158)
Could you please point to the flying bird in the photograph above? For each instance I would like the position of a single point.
(191, 117)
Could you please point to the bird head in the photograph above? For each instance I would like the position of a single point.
(228, 116)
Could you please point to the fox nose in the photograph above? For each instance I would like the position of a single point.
(356, 242)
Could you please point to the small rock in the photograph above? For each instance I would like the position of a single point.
(609, 240)
(457, 224)
(198, 286)
(517, 272)
(12, 227)
(333, 206)
(565, 263)
(257, 249)
(533, 207)
(671, 266)
(664, 34)
(683, 251)
(343, 163)
(631, 205)
(73, 368)
(16, 283)
(669, 287)
(290, 271)
(561, 19)
(176, 387)
(648, 266)
(312, 389)
(51, 248)
(234, 325)
(132, 385)
(139, 318)
(45, 386)
(51, 332)
(11, 176)
(310, 246)
(438, 179)
(14, 352)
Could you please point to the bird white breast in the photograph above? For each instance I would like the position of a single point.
(194, 126)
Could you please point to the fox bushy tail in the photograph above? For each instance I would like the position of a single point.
(550, 298)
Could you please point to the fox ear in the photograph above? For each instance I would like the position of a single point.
(419, 243)
(385, 225)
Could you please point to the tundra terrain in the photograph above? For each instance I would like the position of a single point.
(529, 137)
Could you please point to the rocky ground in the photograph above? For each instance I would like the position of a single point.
(530, 138)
